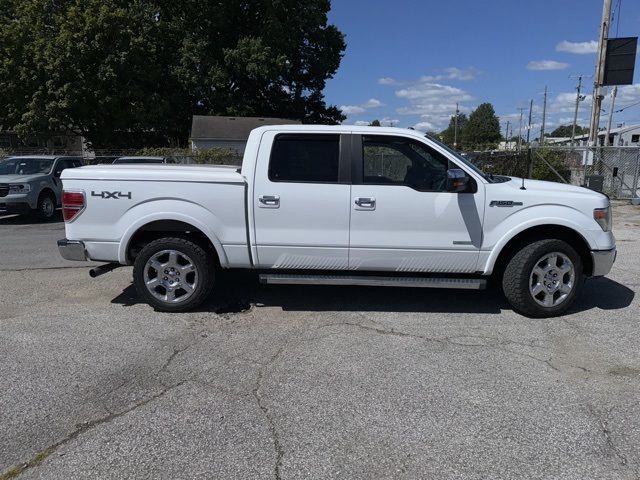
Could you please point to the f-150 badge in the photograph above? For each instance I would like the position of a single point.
(505, 203)
(115, 195)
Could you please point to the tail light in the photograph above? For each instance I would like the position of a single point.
(73, 203)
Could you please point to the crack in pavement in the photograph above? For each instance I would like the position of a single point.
(606, 432)
(88, 425)
(277, 446)
(492, 342)
(80, 429)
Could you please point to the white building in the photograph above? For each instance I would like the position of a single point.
(624, 136)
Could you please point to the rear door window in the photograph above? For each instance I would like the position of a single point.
(305, 158)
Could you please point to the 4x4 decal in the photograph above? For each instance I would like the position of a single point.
(115, 195)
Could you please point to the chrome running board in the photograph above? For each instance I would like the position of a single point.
(369, 281)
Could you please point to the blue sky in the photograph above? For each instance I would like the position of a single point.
(408, 62)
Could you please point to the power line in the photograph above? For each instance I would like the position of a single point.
(628, 106)
(617, 7)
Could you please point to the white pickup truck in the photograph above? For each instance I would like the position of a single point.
(341, 205)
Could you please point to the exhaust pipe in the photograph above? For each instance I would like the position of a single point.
(102, 269)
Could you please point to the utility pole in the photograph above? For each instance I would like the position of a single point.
(455, 129)
(597, 84)
(520, 129)
(575, 113)
(544, 114)
(529, 159)
(613, 104)
(529, 127)
(506, 137)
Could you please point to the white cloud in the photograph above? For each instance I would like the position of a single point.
(581, 48)
(358, 109)
(373, 103)
(425, 126)
(389, 122)
(431, 99)
(628, 94)
(386, 81)
(429, 91)
(435, 103)
(453, 73)
(546, 65)
(361, 123)
(450, 73)
(351, 109)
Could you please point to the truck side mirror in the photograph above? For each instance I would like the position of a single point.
(457, 180)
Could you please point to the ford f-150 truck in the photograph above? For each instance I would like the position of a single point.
(341, 205)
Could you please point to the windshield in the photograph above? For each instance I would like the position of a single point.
(462, 159)
(125, 160)
(25, 166)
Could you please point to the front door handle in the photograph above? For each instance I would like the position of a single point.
(365, 203)
(269, 201)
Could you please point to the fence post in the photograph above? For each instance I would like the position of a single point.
(591, 153)
(636, 173)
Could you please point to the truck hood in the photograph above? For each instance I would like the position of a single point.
(19, 178)
(553, 188)
(537, 193)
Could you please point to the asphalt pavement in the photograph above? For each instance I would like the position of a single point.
(292, 382)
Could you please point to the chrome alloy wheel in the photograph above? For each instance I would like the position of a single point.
(170, 276)
(552, 279)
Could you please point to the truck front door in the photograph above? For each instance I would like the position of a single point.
(301, 201)
(402, 217)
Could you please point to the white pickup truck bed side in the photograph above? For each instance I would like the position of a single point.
(211, 198)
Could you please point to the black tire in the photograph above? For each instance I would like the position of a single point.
(204, 268)
(518, 281)
(46, 208)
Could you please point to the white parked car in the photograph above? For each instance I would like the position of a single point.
(341, 205)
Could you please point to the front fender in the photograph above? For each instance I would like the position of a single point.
(498, 235)
(173, 209)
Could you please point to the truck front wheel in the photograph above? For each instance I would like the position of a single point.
(173, 274)
(543, 278)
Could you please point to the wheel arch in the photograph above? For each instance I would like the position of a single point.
(48, 191)
(513, 243)
(150, 229)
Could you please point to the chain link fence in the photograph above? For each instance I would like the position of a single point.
(611, 170)
(215, 156)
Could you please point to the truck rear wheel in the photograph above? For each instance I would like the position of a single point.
(543, 278)
(173, 274)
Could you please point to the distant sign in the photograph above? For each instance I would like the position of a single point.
(620, 61)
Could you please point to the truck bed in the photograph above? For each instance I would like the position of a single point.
(160, 172)
(120, 199)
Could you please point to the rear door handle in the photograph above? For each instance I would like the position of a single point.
(269, 201)
(365, 203)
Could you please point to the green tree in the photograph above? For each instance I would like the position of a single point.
(375, 123)
(448, 134)
(542, 169)
(565, 131)
(118, 72)
(482, 130)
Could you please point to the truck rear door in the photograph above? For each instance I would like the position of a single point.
(301, 199)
